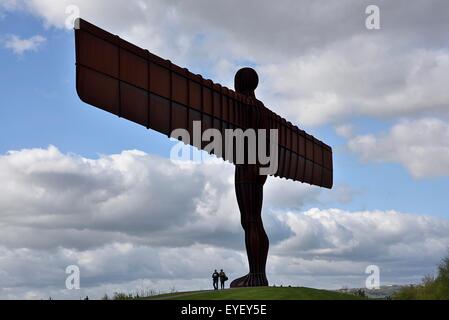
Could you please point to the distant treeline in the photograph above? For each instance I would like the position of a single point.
(431, 287)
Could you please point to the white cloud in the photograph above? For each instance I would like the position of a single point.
(91, 202)
(344, 130)
(132, 221)
(422, 146)
(359, 77)
(9, 4)
(124, 196)
(20, 46)
(376, 236)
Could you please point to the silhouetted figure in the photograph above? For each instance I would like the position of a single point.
(223, 278)
(176, 99)
(215, 277)
(249, 191)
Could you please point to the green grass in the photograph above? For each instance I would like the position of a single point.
(260, 293)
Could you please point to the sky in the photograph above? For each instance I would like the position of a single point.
(82, 187)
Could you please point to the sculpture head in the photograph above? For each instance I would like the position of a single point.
(246, 81)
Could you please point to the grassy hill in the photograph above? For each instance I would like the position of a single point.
(260, 293)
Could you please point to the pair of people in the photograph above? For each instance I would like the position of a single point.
(222, 276)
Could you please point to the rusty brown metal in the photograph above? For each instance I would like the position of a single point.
(130, 82)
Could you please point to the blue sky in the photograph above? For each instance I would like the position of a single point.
(375, 96)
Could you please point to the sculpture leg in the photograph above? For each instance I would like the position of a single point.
(249, 191)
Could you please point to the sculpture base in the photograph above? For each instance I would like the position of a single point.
(250, 280)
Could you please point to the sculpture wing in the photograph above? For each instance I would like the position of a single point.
(119, 77)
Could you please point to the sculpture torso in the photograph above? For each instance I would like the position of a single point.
(249, 191)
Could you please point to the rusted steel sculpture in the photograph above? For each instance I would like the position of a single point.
(121, 78)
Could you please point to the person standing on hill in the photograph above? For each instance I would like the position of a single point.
(215, 277)
(223, 278)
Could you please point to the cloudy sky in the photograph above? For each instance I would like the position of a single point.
(82, 187)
